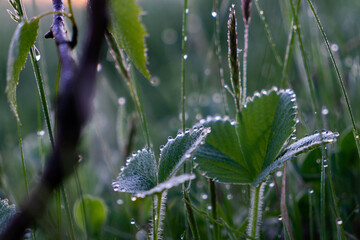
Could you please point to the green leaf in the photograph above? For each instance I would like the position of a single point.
(220, 157)
(303, 145)
(265, 123)
(95, 214)
(129, 32)
(139, 175)
(177, 150)
(23, 39)
(6, 213)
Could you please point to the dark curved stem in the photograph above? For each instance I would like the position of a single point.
(77, 84)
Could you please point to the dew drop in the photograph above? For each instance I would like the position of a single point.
(271, 185)
(185, 38)
(339, 221)
(37, 54)
(122, 168)
(121, 101)
(334, 47)
(40, 133)
(214, 14)
(98, 67)
(325, 165)
(229, 196)
(133, 198)
(279, 173)
(209, 207)
(261, 12)
(318, 161)
(185, 56)
(280, 218)
(119, 201)
(357, 136)
(311, 191)
(80, 158)
(204, 196)
(132, 221)
(295, 27)
(155, 81)
(227, 186)
(187, 11)
(324, 111)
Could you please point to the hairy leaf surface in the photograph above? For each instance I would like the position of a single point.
(129, 32)
(23, 39)
(6, 213)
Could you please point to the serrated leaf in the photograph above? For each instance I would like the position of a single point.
(139, 175)
(264, 125)
(177, 150)
(129, 32)
(303, 145)
(23, 39)
(96, 213)
(6, 213)
(172, 182)
(220, 157)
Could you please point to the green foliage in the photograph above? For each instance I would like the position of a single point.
(143, 177)
(23, 39)
(244, 152)
(95, 214)
(6, 213)
(129, 32)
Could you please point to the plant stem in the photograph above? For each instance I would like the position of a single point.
(255, 215)
(311, 220)
(214, 207)
(246, 46)
(157, 217)
(284, 211)
(218, 54)
(340, 80)
(183, 58)
(23, 160)
(191, 216)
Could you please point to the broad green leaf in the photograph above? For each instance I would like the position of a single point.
(139, 175)
(265, 123)
(220, 157)
(23, 39)
(302, 145)
(161, 187)
(177, 150)
(6, 213)
(129, 32)
(95, 214)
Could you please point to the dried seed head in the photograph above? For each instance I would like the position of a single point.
(246, 8)
(234, 64)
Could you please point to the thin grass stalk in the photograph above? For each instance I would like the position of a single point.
(268, 34)
(82, 201)
(288, 52)
(214, 207)
(246, 8)
(311, 219)
(255, 214)
(183, 58)
(284, 211)
(58, 210)
(318, 120)
(218, 54)
(22, 159)
(217, 222)
(191, 216)
(68, 213)
(340, 80)
(157, 216)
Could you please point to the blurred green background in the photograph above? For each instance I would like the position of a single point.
(102, 148)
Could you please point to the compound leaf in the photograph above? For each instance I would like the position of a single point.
(23, 39)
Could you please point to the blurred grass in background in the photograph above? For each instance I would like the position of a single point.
(102, 156)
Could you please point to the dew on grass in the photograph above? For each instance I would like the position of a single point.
(185, 38)
(209, 207)
(185, 56)
(339, 221)
(132, 221)
(334, 47)
(318, 161)
(37, 54)
(155, 81)
(80, 158)
(325, 165)
(227, 186)
(271, 185)
(133, 198)
(187, 11)
(204, 196)
(121, 101)
(280, 218)
(40, 133)
(325, 111)
(229, 196)
(311, 191)
(98, 67)
(214, 14)
(119, 201)
(198, 116)
(279, 173)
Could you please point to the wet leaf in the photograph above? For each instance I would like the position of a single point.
(23, 39)
(6, 213)
(129, 32)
